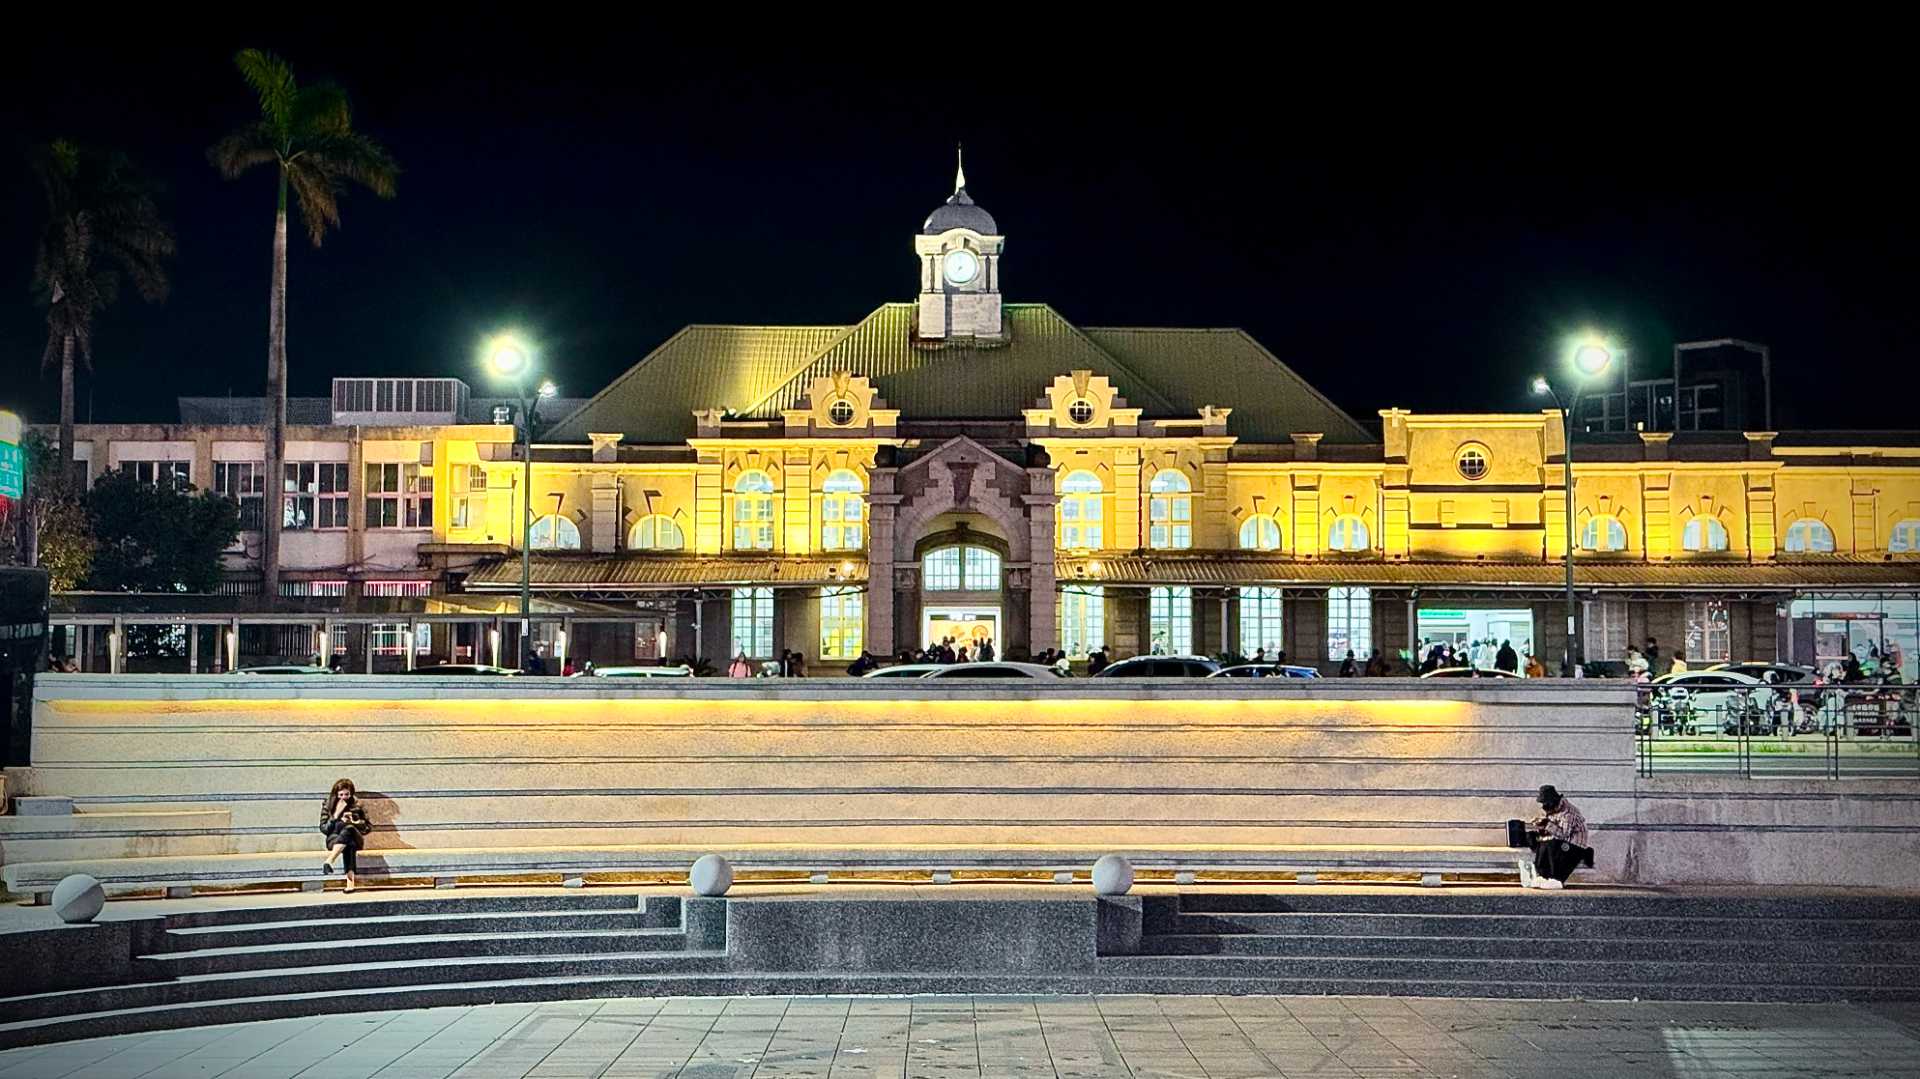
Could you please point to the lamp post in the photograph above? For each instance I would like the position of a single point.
(509, 358)
(1591, 356)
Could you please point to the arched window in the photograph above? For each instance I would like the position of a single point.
(555, 533)
(655, 533)
(842, 513)
(1808, 536)
(1905, 536)
(753, 512)
(953, 569)
(1603, 534)
(1704, 534)
(1260, 534)
(1349, 533)
(1081, 514)
(1170, 510)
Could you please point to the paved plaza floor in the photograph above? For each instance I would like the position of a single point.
(1124, 1037)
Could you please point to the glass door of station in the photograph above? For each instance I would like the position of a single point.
(1461, 628)
(963, 625)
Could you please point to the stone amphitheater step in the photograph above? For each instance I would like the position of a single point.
(388, 949)
(132, 831)
(661, 910)
(1590, 972)
(1302, 946)
(1540, 924)
(346, 926)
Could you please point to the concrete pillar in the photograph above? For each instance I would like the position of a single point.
(117, 647)
(604, 517)
(193, 648)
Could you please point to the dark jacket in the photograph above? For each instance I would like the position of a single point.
(355, 818)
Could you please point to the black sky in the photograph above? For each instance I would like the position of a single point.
(1412, 228)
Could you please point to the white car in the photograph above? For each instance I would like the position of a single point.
(991, 669)
(1469, 672)
(680, 671)
(1266, 670)
(905, 670)
(286, 668)
(1692, 702)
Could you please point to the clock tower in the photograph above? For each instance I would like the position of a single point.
(959, 250)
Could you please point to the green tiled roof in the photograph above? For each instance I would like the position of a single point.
(757, 371)
(699, 367)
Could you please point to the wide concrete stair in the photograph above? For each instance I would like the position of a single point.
(266, 962)
(1544, 945)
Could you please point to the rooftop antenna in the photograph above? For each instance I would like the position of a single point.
(959, 169)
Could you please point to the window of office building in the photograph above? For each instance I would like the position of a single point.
(469, 496)
(842, 512)
(1603, 534)
(1704, 534)
(753, 512)
(176, 474)
(1083, 619)
(1348, 533)
(1709, 637)
(1169, 510)
(1808, 536)
(1260, 534)
(655, 532)
(1081, 511)
(399, 495)
(314, 495)
(1604, 630)
(245, 483)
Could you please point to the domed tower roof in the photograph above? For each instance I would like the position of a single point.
(959, 211)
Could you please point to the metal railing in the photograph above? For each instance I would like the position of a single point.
(1852, 729)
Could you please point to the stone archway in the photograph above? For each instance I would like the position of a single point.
(960, 476)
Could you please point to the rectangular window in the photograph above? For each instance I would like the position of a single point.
(245, 483)
(753, 622)
(396, 588)
(160, 473)
(390, 638)
(469, 496)
(1170, 620)
(309, 589)
(1260, 621)
(1604, 635)
(1083, 620)
(1349, 622)
(1709, 637)
(399, 495)
(842, 622)
(941, 569)
(315, 495)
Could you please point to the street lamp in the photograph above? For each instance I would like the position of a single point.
(1590, 356)
(510, 358)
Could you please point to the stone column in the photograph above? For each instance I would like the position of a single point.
(882, 510)
(1043, 630)
(605, 522)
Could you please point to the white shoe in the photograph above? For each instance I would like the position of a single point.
(1549, 884)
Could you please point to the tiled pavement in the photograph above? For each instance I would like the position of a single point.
(985, 1037)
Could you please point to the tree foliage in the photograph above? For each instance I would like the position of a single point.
(48, 527)
(308, 132)
(103, 227)
(157, 538)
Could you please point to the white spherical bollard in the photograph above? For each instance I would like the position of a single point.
(1112, 875)
(710, 875)
(78, 899)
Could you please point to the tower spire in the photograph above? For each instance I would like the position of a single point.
(959, 169)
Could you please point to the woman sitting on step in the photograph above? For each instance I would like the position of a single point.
(345, 825)
(1559, 841)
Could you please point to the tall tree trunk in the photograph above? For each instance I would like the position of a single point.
(66, 407)
(272, 483)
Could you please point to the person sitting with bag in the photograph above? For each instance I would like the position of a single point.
(345, 824)
(1559, 841)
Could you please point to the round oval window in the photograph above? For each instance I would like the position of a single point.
(841, 412)
(1081, 411)
(1471, 460)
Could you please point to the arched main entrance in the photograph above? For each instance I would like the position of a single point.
(962, 588)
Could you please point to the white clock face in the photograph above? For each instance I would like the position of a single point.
(960, 266)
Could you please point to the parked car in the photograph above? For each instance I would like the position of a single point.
(677, 671)
(991, 669)
(462, 670)
(1266, 670)
(1692, 701)
(1161, 667)
(1468, 672)
(285, 668)
(1773, 674)
(905, 670)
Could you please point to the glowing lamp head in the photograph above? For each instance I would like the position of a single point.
(1592, 357)
(548, 391)
(506, 355)
(1540, 385)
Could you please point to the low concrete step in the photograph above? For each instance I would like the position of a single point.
(1515, 901)
(385, 949)
(658, 909)
(1303, 946)
(129, 832)
(345, 928)
(349, 978)
(1518, 926)
(108, 1019)
(1585, 972)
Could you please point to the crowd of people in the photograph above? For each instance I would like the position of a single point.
(1480, 655)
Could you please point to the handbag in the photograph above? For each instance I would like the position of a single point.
(1517, 834)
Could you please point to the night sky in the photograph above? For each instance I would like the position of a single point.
(1413, 230)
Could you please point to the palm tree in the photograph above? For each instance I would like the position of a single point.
(307, 133)
(102, 226)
